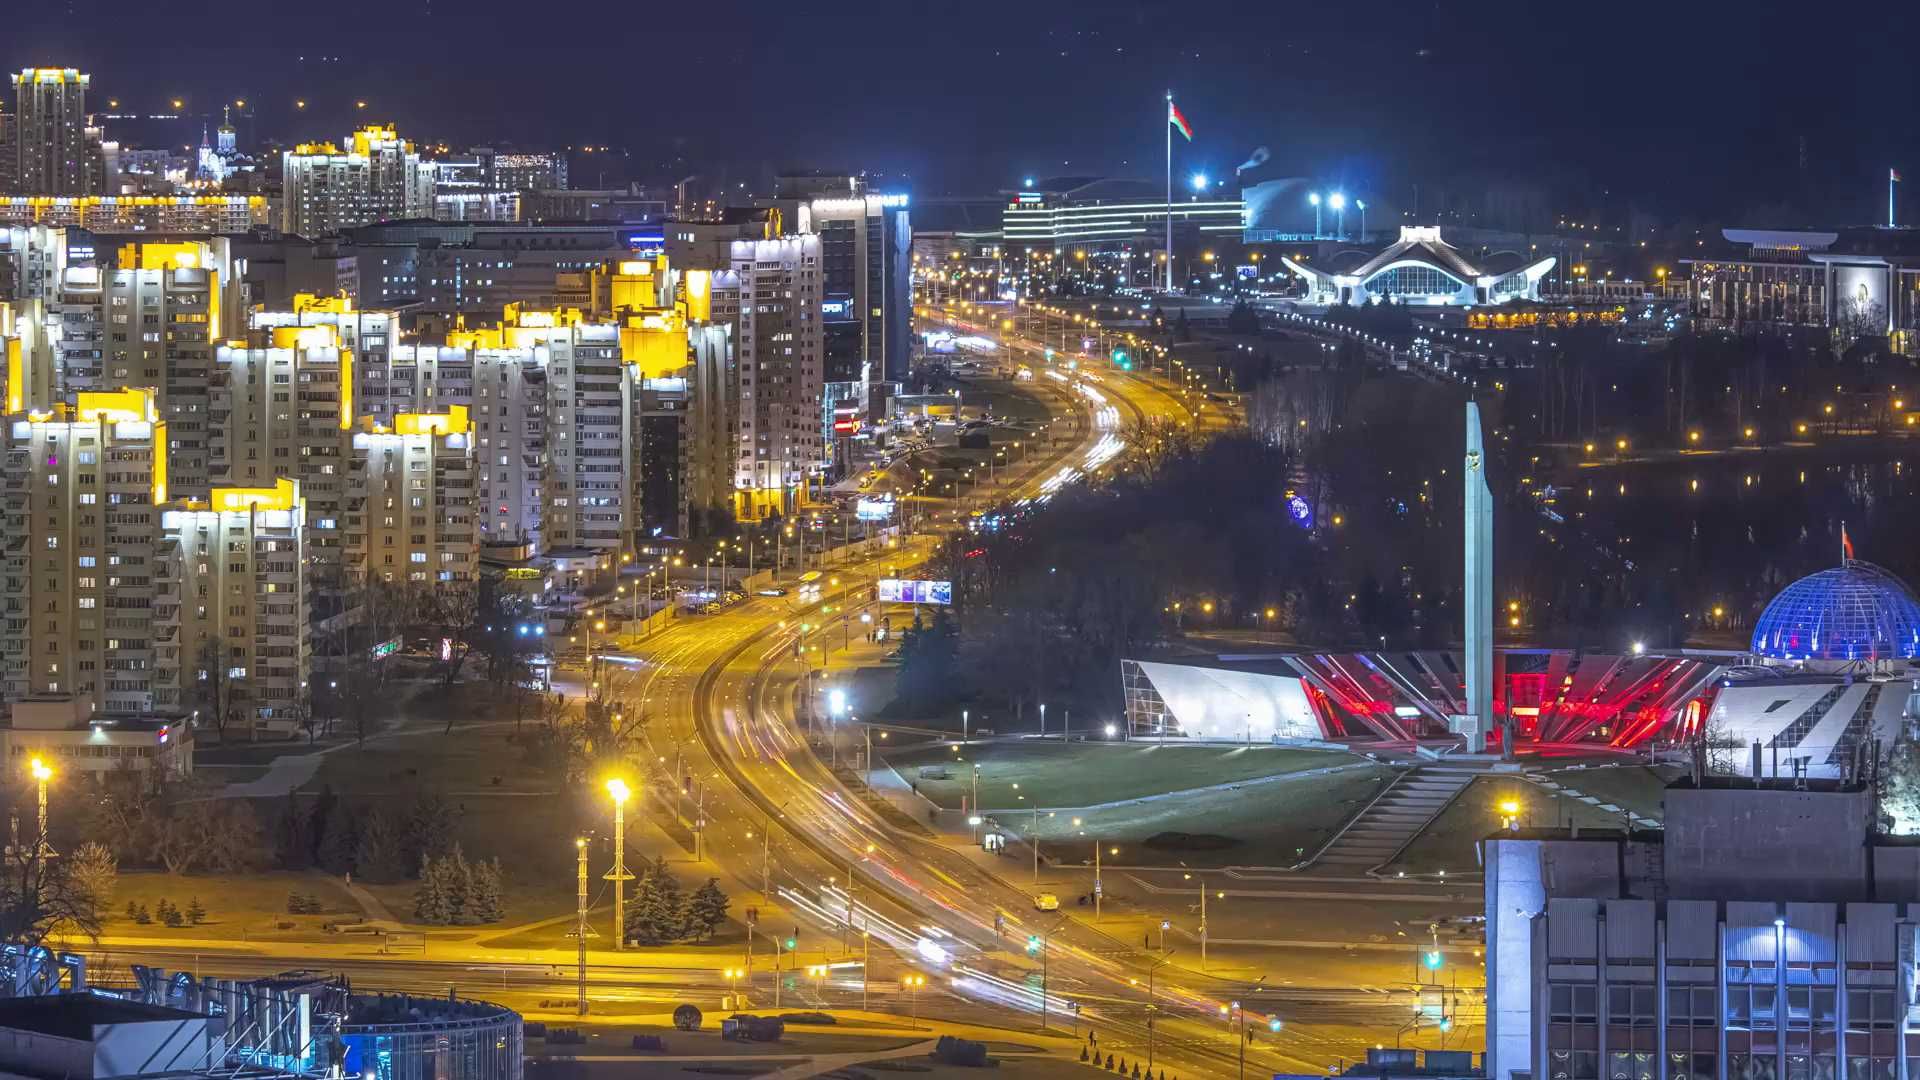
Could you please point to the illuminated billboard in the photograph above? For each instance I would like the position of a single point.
(874, 509)
(915, 591)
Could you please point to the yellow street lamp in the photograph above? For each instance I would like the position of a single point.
(618, 790)
(41, 774)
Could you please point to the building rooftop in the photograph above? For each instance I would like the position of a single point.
(74, 1016)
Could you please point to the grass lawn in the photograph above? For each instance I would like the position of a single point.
(506, 809)
(1017, 775)
(250, 903)
(1270, 824)
(1450, 841)
(1639, 788)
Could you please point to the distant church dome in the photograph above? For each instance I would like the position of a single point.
(1855, 611)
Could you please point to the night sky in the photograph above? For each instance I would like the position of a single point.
(1685, 108)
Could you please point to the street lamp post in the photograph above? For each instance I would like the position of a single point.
(912, 984)
(580, 930)
(1165, 955)
(1314, 198)
(1338, 201)
(617, 788)
(41, 774)
(847, 930)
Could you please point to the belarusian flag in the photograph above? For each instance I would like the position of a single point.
(1179, 121)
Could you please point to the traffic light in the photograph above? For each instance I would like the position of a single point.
(1432, 959)
(793, 943)
(1446, 1024)
(1033, 944)
(1273, 1024)
(1122, 360)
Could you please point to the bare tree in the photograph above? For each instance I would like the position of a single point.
(40, 898)
(449, 612)
(216, 689)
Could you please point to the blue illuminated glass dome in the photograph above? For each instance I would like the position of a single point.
(1855, 611)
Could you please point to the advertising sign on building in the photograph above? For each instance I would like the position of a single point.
(915, 591)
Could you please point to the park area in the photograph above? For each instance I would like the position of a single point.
(1450, 841)
(1019, 775)
(1195, 805)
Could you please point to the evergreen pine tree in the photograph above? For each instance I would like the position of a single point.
(338, 840)
(195, 913)
(707, 909)
(431, 904)
(658, 915)
(378, 849)
(133, 910)
(460, 887)
(142, 916)
(485, 903)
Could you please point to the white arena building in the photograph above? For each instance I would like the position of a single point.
(1421, 268)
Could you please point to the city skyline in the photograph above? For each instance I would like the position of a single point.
(1604, 108)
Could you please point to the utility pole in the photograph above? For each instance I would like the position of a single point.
(1096, 881)
(580, 929)
(1033, 841)
(1203, 924)
(618, 875)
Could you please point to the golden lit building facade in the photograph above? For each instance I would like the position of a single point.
(410, 515)
(83, 489)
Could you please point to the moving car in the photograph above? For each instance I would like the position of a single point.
(1046, 901)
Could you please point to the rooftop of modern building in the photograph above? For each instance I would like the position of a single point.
(74, 1016)
(1805, 244)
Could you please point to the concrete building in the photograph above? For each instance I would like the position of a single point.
(780, 377)
(378, 176)
(56, 148)
(84, 1036)
(283, 410)
(1842, 284)
(708, 245)
(31, 258)
(65, 732)
(232, 609)
(154, 320)
(83, 490)
(479, 267)
(866, 264)
(1768, 932)
(411, 513)
(201, 214)
(26, 346)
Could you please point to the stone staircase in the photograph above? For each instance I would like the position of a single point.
(1395, 817)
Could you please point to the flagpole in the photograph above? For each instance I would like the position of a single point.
(1166, 126)
(1893, 177)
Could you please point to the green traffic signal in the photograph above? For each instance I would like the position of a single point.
(1433, 960)
(1033, 943)
(792, 943)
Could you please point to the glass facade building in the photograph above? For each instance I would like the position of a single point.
(1853, 612)
(399, 1037)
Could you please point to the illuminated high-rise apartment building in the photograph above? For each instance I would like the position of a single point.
(231, 612)
(56, 151)
(410, 510)
(780, 378)
(277, 410)
(83, 489)
(376, 176)
(153, 320)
